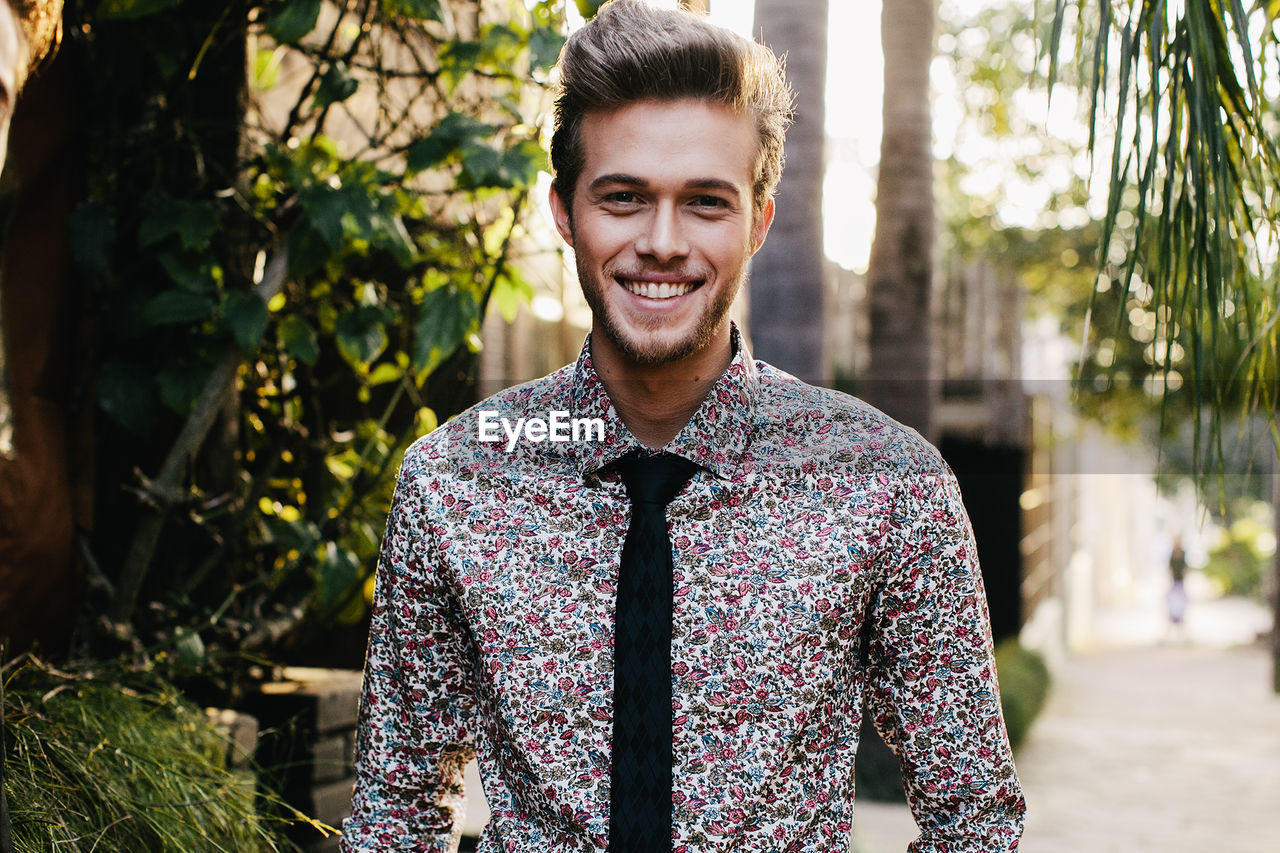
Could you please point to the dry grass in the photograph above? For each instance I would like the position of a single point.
(106, 760)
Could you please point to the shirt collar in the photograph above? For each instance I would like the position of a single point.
(715, 437)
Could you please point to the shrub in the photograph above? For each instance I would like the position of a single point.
(1238, 564)
(1024, 686)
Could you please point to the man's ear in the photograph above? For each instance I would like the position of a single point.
(560, 213)
(760, 228)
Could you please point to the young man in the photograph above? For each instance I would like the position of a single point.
(815, 551)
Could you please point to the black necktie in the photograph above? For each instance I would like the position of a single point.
(640, 803)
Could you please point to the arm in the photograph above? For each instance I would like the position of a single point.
(931, 681)
(417, 707)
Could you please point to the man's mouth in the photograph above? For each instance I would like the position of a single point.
(659, 290)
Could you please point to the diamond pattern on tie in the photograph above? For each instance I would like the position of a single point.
(640, 807)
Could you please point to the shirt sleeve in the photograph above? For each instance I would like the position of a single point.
(417, 707)
(931, 679)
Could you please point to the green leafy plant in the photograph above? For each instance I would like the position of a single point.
(292, 264)
(1024, 688)
(1245, 551)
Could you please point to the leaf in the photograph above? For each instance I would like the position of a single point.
(177, 306)
(390, 234)
(194, 222)
(339, 570)
(336, 86)
(180, 384)
(361, 334)
(422, 10)
(92, 231)
(194, 274)
(500, 48)
(266, 69)
(292, 20)
(325, 208)
(522, 163)
(343, 465)
(299, 340)
(457, 59)
(445, 139)
(300, 534)
(588, 8)
(481, 167)
(510, 291)
(446, 318)
(384, 373)
(425, 420)
(308, 250)
(124, 10)
(126, 395)
(545, 44)
(356, 608)
(246, 314)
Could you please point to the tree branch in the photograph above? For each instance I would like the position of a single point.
(164, 489)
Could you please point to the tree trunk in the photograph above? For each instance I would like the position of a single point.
(1275, 589)
(902, 380)
(41, 477)
(787, 275)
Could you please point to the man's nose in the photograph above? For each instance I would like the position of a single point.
(663, 238)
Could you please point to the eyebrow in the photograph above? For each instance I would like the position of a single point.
(695, 184)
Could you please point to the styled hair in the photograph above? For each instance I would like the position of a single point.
(632, 51)
(41, 22)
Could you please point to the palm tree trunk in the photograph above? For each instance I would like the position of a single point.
(787, 275)
(902, 380)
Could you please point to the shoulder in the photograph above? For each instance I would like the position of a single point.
(829, 428)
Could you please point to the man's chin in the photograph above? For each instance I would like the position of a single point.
(655, 353)
(659, 347)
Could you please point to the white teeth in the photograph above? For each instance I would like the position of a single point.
(652, 290)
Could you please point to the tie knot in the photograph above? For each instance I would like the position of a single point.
(654, 479)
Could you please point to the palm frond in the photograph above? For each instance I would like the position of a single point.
(1191, 224)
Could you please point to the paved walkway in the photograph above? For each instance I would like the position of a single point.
(1170, 747)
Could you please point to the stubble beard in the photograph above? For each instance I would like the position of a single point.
(654, 350)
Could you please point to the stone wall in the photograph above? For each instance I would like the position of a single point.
(306, 745)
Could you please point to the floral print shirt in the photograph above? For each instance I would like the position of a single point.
(821, 554)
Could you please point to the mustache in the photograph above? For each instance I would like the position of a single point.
(650, 272)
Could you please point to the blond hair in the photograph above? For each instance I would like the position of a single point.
(632, 51)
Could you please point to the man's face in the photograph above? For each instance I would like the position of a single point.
(13, 58)
(662, 224)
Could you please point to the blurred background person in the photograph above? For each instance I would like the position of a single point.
(1176, 599)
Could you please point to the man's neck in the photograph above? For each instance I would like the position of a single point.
(656, 401)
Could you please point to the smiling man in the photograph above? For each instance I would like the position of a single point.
(661, 639)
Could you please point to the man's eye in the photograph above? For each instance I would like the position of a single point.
(710, 201)
(622, 197)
